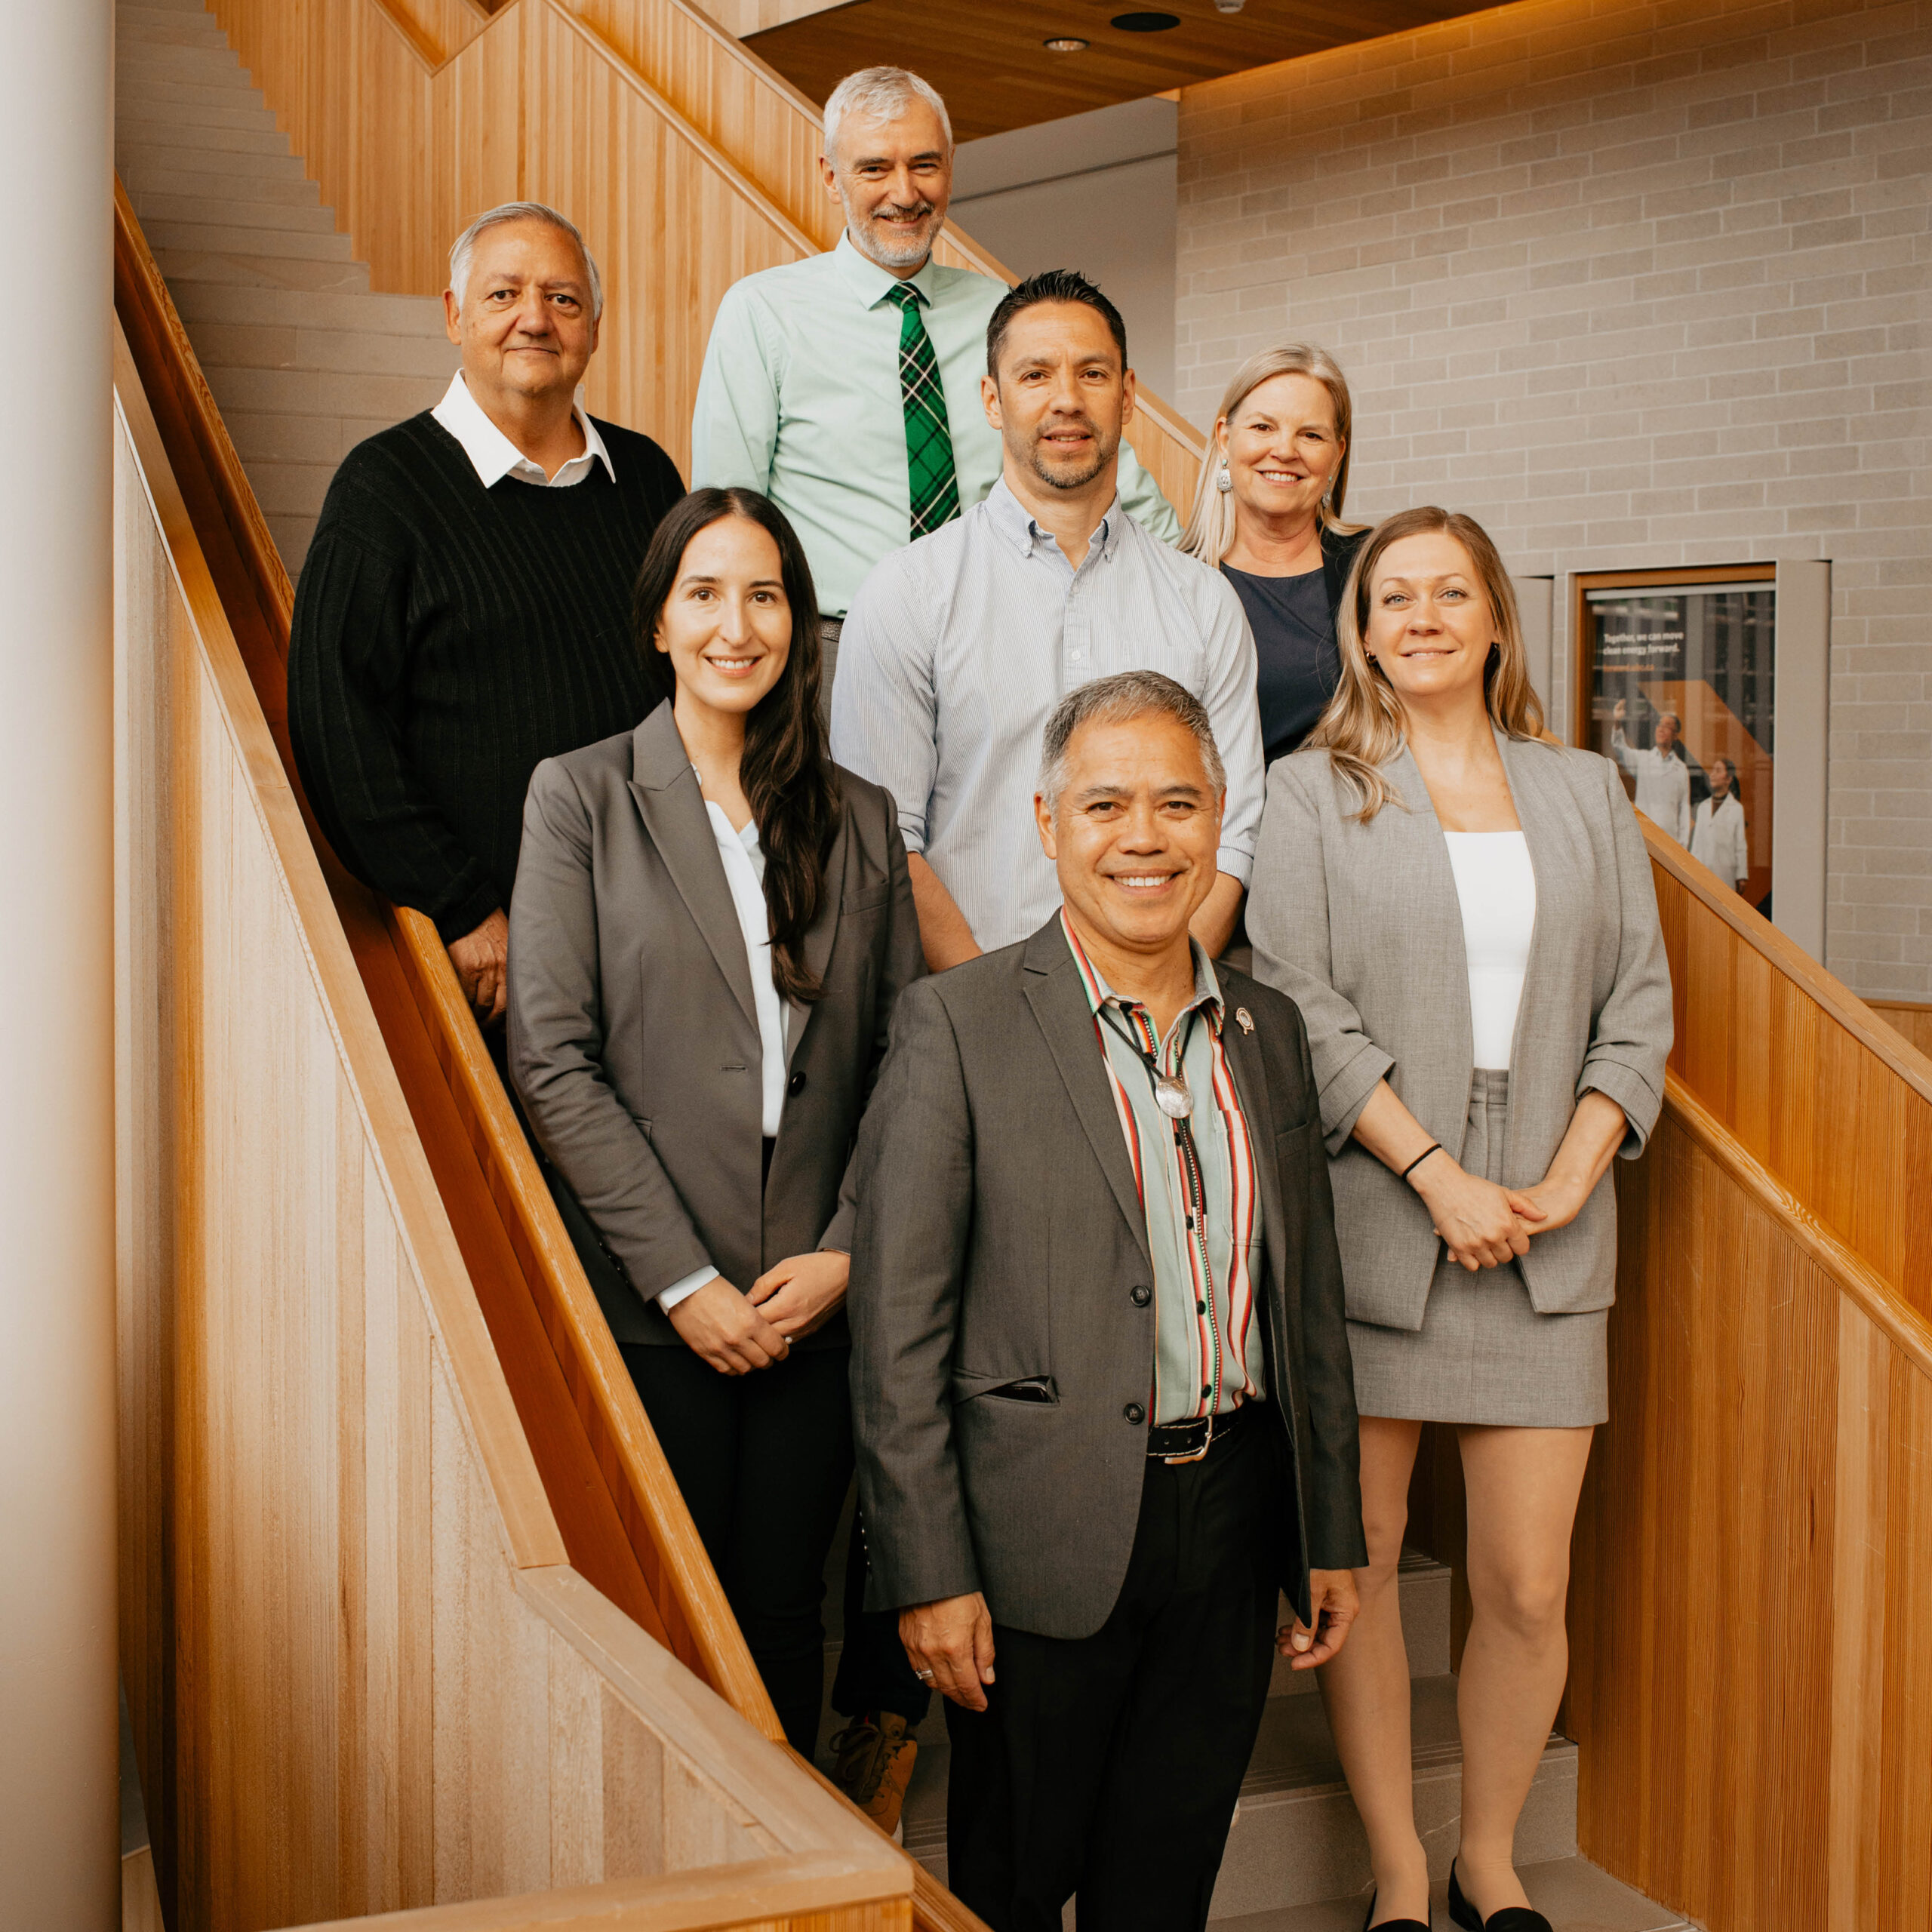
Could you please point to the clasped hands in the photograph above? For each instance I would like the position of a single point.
(737, 1333)
(1482, 1225)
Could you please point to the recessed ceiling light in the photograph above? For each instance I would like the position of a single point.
(1145, 23)
(1066, 43)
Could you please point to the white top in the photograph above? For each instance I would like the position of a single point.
(1717, 839)
(1498, 891)
(1663, 785)
(744, 873)
(493, 456)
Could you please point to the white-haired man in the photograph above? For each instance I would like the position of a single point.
(846, 387)
(464, 610)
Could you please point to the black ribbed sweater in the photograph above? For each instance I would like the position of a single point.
(447, 639)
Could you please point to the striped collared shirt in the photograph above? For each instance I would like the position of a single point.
(1197, 1190)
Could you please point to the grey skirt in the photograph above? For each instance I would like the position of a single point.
(1483, 1354)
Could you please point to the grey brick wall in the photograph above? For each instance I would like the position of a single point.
(1636, 285)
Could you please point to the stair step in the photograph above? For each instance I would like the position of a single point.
(154, 27)
(236, 171)
(242, 113)
(292, 189)
(184, 80)
(208, 237)
(180, 266)
(132, 132)
(420, 315)
(246, 391)
(158, 209)
(330, 352)
(274, 437)
(1571, 1893)
(1298, 1838)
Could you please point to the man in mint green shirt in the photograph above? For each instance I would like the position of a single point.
(849, 404)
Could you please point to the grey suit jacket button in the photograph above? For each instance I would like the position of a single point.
(796, 1084)
(1140, 1297)
(1135, 1413)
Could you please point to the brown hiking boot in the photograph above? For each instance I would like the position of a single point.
(871, 1763)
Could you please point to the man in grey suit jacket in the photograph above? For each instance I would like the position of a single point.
(1100, 1380)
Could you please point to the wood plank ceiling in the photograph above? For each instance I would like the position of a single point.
(989, 58)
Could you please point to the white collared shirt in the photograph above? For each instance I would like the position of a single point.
(743, 859)
(955, 651)
(494, 455)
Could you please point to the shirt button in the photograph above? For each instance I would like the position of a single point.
(1205, 1391)
(796, 1084)
(1140, 1297)
(1135, 1413)
(1201, 1307)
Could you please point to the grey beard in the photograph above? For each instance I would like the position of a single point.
(885, 247)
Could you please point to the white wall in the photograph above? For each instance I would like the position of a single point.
(1095, 192)
(1635, 285)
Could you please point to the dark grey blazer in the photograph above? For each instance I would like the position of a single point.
(1360, 925)
(633, 1038)
(1000, 1236)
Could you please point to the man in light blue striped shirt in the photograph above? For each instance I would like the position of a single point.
(957, 648)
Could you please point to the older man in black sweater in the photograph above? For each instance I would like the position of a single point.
(464, 611)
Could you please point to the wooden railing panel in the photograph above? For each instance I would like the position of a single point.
(687, 161)
(1753, 1567)
(1810, 1079)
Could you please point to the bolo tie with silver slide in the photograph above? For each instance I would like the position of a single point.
(1175, 1099)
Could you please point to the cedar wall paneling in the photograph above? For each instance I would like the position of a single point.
(362, 1677)
(686, 161)
(1750, 1684)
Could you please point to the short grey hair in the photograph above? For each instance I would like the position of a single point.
(1119, 701)
(881, 94)
(465, 247)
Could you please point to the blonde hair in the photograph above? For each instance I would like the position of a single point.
(1365, 725)
(1210, 530)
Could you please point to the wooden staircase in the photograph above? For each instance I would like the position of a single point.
(1751, 1697)
(304, 361)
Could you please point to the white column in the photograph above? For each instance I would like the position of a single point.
(59, 1838)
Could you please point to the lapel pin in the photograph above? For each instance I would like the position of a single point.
(1241, 1019)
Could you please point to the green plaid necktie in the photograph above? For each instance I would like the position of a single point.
(935, 492)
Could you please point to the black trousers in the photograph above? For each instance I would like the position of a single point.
(1109, 1766)
(763, 1461)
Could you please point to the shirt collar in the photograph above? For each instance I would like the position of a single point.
(873, 283)
(1014, 521)
(493, 456)
(1207, 987)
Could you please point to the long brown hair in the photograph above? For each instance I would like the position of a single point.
(786, 770)
(1365, 725)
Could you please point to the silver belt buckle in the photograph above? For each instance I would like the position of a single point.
(1194, 1455)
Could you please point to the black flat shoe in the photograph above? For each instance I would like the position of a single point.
(1391, 1924)
(1511, 1918)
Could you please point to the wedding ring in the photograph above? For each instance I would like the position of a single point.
(924, 1676)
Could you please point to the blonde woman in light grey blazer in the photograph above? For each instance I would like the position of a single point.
(1464, 913)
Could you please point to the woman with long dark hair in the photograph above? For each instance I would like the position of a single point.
(710, 925)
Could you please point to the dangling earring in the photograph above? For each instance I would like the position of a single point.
(1222, 481)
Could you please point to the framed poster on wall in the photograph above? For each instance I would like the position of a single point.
(1677, 684)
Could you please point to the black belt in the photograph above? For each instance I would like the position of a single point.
(1188, 1441)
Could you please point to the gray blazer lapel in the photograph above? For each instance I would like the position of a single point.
(821, 934)
(1059, 1001)
(1429, 887)
(1251, 1079)
(672, 801)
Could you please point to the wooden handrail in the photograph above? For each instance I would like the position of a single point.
(625, 1524)
(350, 1610)
(664, 1578)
